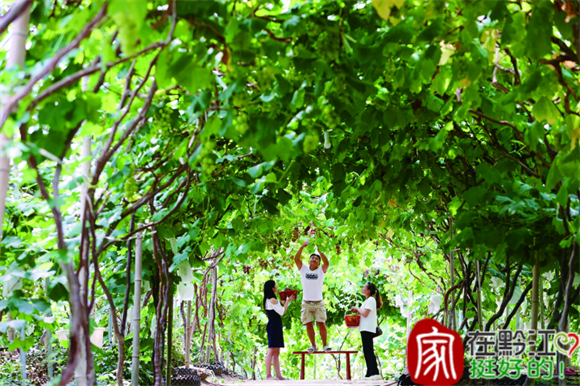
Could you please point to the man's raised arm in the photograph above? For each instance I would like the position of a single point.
(325, 263)
(298, 257)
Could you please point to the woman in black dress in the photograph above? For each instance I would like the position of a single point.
(274, 328)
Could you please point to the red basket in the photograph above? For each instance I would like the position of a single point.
(352, 321)
(287, 293)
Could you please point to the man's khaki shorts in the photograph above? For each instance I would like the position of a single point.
(312, 310)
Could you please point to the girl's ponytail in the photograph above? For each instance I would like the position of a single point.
(378, 299)
(375, 294)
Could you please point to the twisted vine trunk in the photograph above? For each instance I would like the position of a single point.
(211, 319)
(563, 323)
(161, 309)
(479, 313)
(169, 337)
(535, 307)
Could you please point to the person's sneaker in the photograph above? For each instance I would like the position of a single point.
(327, 349)
(311, 349)
(376, 376)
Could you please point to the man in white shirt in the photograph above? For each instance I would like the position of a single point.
(312, 301)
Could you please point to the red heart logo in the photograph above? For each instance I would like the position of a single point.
(577, 339)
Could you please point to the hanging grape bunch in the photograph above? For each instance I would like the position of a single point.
(314, 29)
(327, 46)
(292, 76)
(130, 185)
(240, 122)
(329, 117)
(272, 106)
(340, 85)
(295, 234)
(128, 32)
(207, 146)
(265, 76)
(263, 264)
(311, 141)
(163, 118)
(390, 70)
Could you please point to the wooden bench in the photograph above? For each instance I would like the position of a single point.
(303, 353)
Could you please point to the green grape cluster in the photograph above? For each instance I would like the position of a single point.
(127, 32)
(390, 70)
(310, 142)
(266, 76)
(271, 106)
(207, 147)
(314, 29)
(130, 186)
(329, 117)
(164, 119)
(340, 83)
(341, 89)
(28, 286)
(208, 165)
(240, 123)
(291, 75)
(327, 46)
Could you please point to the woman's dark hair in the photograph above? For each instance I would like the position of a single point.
(269, 291)
(375, 293)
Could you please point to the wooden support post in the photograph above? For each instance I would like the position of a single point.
(479, 313)
(23, 356)
(48, 340)
(304, 353)
(315, 367)
(187, 335)
(348, 366)
(136, 311)
(535, 300)
(302, 368)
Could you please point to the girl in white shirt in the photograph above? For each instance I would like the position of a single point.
(274, 328)
(368, 327)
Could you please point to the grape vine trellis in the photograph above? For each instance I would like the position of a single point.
(443, 134)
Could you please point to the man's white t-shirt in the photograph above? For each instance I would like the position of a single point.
(370, 322)
(312, 283)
